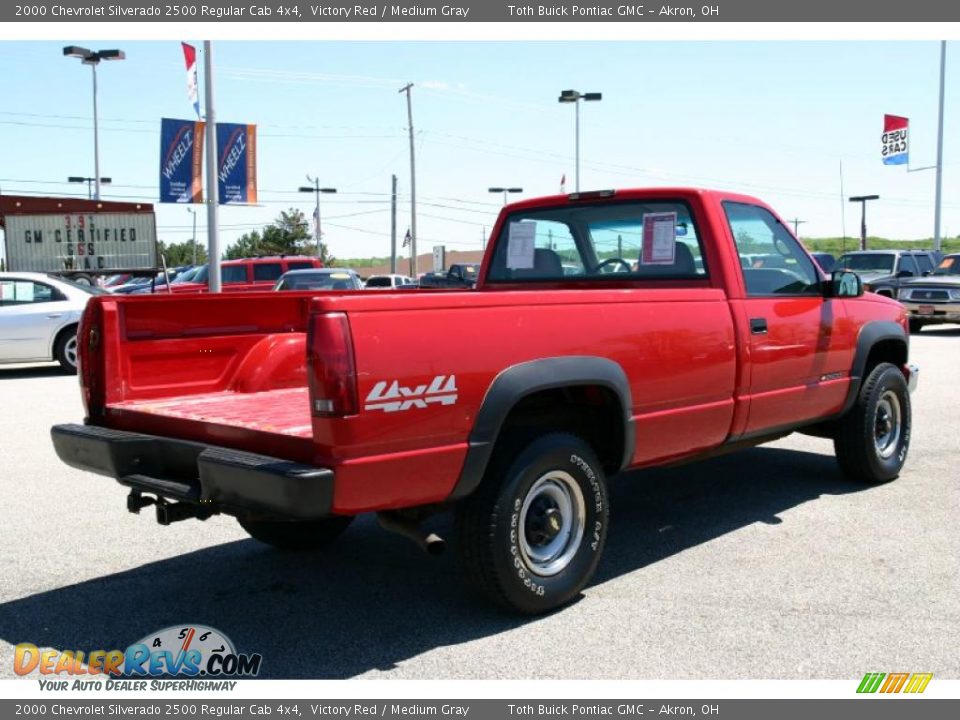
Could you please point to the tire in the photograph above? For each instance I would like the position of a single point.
(296, 534)
(532, 534)
(873, 437)
(916, 325)
(65, 350)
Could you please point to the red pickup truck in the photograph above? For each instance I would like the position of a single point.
(613, 330)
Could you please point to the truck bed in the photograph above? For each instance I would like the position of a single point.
(283, 412)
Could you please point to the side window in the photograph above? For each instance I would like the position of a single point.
(22, 292)
(907, 264)
(233, 273)
(267, 271)
(771, 260)
(924, 263)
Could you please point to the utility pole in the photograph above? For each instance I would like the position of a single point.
(213, 236)
(194, 238)
(393, 224)
(796, 222)
(413, 186)
(939, 192)
(862, 199)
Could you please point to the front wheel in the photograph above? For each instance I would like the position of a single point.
(532, 534)
(873, 437)
(296, 534)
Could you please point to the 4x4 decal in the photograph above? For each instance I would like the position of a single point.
(392, 396)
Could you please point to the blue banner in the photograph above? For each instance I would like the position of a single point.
(236, 163)
(181, 157)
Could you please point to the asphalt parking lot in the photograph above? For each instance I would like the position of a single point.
(762, 564)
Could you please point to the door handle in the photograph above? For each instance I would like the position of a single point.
(758, 326)
(53, 316)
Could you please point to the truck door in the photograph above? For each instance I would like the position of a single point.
(799, 345)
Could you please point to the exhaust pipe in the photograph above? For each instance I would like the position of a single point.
(409, 527)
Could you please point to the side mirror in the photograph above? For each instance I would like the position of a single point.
(844, 283)
(905, 273)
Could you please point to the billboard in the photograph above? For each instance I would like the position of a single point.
(237, 163)
(894, 142)
(81, 241)
(181, 157)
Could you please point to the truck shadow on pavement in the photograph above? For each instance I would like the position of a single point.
(374, 601)
(20, 372)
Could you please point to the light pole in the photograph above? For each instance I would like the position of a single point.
(194, 240)
(93, 58)
(506, 190)
(575, 96)
(862, 199)
(89, 181)
(316, 189)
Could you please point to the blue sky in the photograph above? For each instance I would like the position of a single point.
(772, 119)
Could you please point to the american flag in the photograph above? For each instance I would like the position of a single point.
(190, 58)
(406, 238)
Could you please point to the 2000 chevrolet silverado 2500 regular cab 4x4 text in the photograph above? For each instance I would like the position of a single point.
(619, 330)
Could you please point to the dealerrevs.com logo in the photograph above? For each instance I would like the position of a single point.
(887, 683)
(200, 657)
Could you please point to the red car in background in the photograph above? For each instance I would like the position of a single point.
(247, 274)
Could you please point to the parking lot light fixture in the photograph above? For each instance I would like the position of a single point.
(93, 58)
(505, 191)
(575, 96)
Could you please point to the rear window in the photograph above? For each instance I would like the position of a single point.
(379, 282)
(267, 271)
(630, 240)
(300, 265)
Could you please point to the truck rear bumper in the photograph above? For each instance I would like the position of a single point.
(214, 477)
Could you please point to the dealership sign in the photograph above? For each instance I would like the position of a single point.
(181, 157)
(894, 142)
(237, 163)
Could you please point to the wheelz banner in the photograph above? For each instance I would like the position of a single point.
(236, 164)
(181, 161)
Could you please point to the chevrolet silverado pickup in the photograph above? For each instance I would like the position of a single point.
(616, 330)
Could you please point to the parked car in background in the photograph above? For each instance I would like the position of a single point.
(933, 299)
(883, 271)
(39, 316)
(825, 260)
(150, 283)
(319, 279)
(247, 274)
(388, 282)
(460, 275)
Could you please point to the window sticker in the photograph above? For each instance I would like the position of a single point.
(659, 239)
(520, 245)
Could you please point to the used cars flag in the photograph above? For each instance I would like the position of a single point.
(190, 57)
(894, 142)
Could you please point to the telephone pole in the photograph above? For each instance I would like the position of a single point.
(795, 223)
(393, 224)
(413, 185)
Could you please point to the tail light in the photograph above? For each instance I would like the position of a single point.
(332, 371)
(89, 357)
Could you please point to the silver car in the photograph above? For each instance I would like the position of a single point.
(39, 316)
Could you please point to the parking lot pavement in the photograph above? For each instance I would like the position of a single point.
(761, 564)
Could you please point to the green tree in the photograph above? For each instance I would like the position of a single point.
(176, 254)
(288, 234)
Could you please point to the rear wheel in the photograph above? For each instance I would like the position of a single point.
(873, 438)
(296, 534)
(532, 534)
(65, 350)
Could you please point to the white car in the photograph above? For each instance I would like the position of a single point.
(388, 282)
(39, 316)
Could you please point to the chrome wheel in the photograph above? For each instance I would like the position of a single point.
(887, 424)
(70, 351)
(551, 523)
